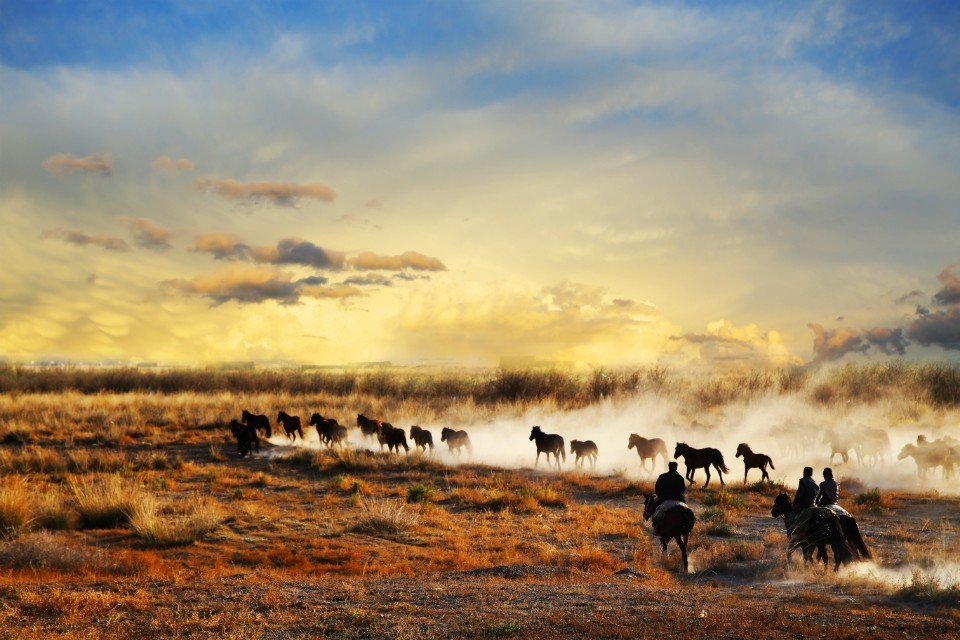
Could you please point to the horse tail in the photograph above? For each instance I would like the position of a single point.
(852, 533)
(719, 461)
(770, 462)
(688, 519)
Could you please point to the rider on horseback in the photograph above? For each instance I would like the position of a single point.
(829, 490)
(807, 491)
(670, 486)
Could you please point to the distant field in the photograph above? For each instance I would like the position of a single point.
(126, 512)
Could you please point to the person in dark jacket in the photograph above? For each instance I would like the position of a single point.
(670, 485)
(807, 491)
(829, 489)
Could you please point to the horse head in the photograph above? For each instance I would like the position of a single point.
(781, 505)
(316, 419)
(743, 449)
(634, 441)
(648, 505)
(536, 431)
(907, 451)
(444, 433)
(680, 450)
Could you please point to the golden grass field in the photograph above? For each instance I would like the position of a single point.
(126, 512)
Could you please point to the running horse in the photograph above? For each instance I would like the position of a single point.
(753, 460)
(700, 459)
(674, 521)
(648, 448)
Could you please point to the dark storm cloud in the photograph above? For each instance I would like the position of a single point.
(940, 328)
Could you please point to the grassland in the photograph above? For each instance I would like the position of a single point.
(125, 512)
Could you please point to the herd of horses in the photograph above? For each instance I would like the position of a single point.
(812, 530)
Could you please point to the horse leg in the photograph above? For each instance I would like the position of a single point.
(707, 469)
(745, 470)
(766, 476)
(683, 551)
(535, 464)
(719, 473)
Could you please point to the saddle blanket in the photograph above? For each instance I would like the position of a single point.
(662, 508)
(837, 509)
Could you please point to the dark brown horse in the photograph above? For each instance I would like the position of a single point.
(700, 459)
(456, 440)
(548, 443)
(258, 422)
(291, 424)
(369, 427)
(421, 437)
(648, 449)
(330, 432)
(583, 450)
(246, 436)
(676, 522)
(753, 460)
(813, 529)
(393, 437)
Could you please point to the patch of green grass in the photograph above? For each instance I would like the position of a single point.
(420, 493)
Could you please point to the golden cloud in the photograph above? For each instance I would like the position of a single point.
(61, 163)
(407, 260)
(280, 193)
(254, 285)
(149, 235)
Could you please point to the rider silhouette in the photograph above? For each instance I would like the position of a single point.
(670, 485)
(807, 491)
(829, 489)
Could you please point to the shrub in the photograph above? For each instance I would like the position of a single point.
(106, 503)
(873, 502)
(16, 509)
(386, 517)
(158, 528)
(420, 493)
(725, 500)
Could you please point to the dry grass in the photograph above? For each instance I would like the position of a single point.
(106, 502)
(178, 526)
(16, 508)
(386, 518)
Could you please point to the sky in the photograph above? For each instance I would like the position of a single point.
(737, 184)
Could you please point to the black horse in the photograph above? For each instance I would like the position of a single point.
(330, 432)
(291, 424)
(246, 436)
(700, 459)
(393, 437)
(258, 422)
(422, 437)
(548, 443)
(818, 527)
(753, 460)
(369, 427)
(676, 522)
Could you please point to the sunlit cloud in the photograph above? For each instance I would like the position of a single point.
(833, 344)
(279, 193)
(222, 246)
(406, 260)
(724, 344)
(168, 164)
(150, 235)
(252, 285)
(82, 239)
(950, 293)
(68, 163)
(226, 246)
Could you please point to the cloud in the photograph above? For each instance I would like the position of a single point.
(81, 239)
(280, 193)
(833, 344)
(297, 251)
(370, 279)
(227, 246)
(889, 341)
(149, 235)
(910, 296)
(168, 164)
(406, 260)
(940, 328)
(950, 293)
(222, 246)
(726, 343)
(251, 285)
(61, 163)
